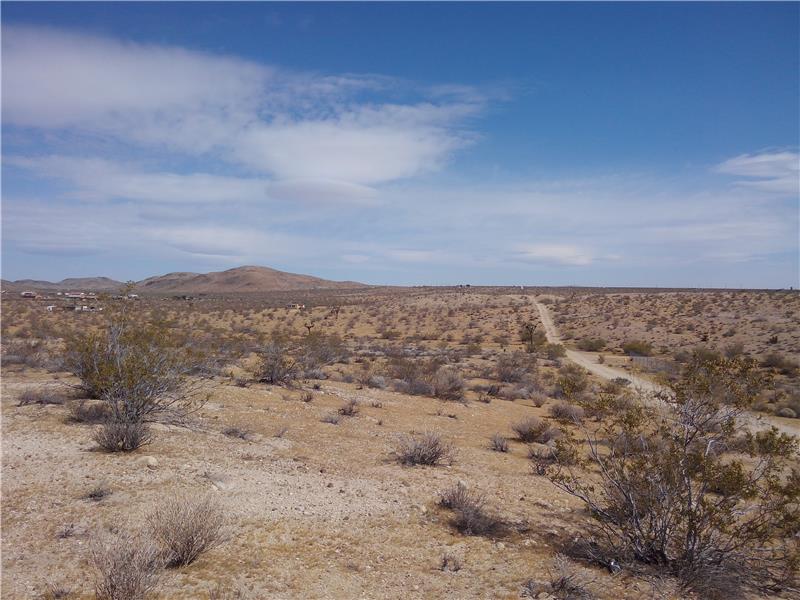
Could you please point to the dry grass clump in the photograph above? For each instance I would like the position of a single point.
(127, 567)
(122, 436)
(427, 448)
(98, 492)
(185, 528)
(498, 443)
(515, 367)
(566, 412)
(234, 431)
(534, 429)
(471, 516)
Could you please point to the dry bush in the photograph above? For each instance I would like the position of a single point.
(471, 516)
(319, 349)
(122, 436)
(450, 562)
(137, 369)
(572, 381)
(637, 348)
(184, 528)
(82, 411)
(566, 412)
(349, 409)
(427, 448)
(498, 443)
(679, 502)
(448, 384)
(591, 344)
(42, 396)
(566, 582)
(515, 367)
(534, 429)
(235, 431)
(332, 418)
(276, 366)
(98, 492)
(127, 567)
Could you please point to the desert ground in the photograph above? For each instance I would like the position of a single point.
(315, 503)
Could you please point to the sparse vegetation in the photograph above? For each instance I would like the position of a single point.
(185, 528)
(427, 448)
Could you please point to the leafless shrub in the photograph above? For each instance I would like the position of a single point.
(471, 516)
(427, 448)
(566, 412)
(566, 583)
(534, 429)
(448, 384)
(127, 567)
(235, 431)
(83, 411)
(332, 418)
(122, 436)
(54, 591)
(276, 366)
(450, 562)
(185, 528)
(515, 367)
(349, 409)
(307, 397)
(98, 492)
(498, 443)
(41, 396)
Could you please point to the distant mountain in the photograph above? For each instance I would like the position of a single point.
(87, 284)
(238, 280)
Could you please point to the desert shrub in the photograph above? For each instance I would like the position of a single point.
(414, 376)
(349, 409)
(275, 365)
(448, 384)
(534, 429)
(471, 515)
(591, 344)
(566, 412)
(450, 562)
(515, 367)
(320, 349)
(137, 369)
(185, 528)
(427, 448)
(127, 567)
(572, 380)
(675, 503)
(498, 443)
(235, 431)
(780, 363)
(566, 582)
(41, 396)
(787, 412)
(554, 351)
(98, 492)
(637, 348)
(116, 435)
(83, 411)
(332, 418)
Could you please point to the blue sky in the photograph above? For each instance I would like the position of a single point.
(555, 143)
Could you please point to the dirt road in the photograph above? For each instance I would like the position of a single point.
(588, 360)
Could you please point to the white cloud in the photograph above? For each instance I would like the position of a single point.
(98, 179)
(554, 254)
(290, 125)
(777, 172)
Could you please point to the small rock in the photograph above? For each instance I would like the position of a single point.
(148, 461)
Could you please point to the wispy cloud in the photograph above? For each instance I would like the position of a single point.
(558, 254)
(777, 172)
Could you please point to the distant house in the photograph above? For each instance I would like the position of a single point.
(295, 306)
(28, 294)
